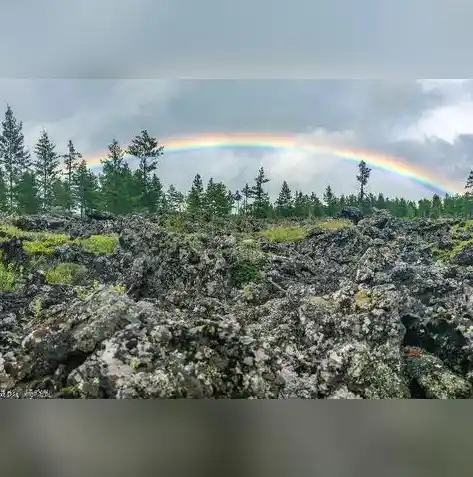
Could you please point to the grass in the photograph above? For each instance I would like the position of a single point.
(66, 273)
(298, 232)
(45, 242)
(458, 243)
(100, 243)
(7, 278)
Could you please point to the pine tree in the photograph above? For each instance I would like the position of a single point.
(84, 188)
(246, 191)
(175, 199)
(157, 198)
(261, 204)
(116, 181)
(60, 194)
(316, 205)
(237, 198)
(3, 192)
(26, 192)
(147, 150)
(330, 201)
(284, 201)
(14, 157)
(217, 200)
(71, 161)
(363, 176)
(436, 211)
(195, 197)
(46, 170)
(469, 183)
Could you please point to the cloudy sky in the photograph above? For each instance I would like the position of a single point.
(428, 123)
(425, 122)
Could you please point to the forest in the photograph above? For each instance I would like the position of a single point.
(47, 180)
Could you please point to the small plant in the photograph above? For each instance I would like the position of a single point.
(243, 272)
(67, 273)
(84, 292)
(135, 363)
(120, 288)
(37, 306)
(100, 243)
(8, 278)
(284, 234)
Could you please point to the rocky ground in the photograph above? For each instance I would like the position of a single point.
(119, 309)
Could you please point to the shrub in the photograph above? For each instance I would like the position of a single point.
(66, 273)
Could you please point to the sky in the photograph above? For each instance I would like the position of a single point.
(85, 72)
(425, 122)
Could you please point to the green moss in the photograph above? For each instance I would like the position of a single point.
(120, 288)
(363, 299)
(244, 271)
(37, 306)
(71, 391)
(295, 233)
(284, 234)
(67, 273)
(100, 243)
(333, 224)
(8, 279)
(135, 363)
(458, 243)
(38, 243)
(46, 245)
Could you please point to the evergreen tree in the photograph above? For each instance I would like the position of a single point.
(147, 150)
(436, 210)
(261, 204)
(71, 162)
(217, 200)
(469, 183)
(363, 176)
(246, 191)
(174, 198)
(195, 197)
(157, 198)
(26, 192)
(116, 181)
(46, 170)
(317, 206)
(14, 157)
(284, 201)
(237, 198)
(3, 192)
(85, 188)
(60, 194)
(330, 201)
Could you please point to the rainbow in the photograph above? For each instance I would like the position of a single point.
(396, 165)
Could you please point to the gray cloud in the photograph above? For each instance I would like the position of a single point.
(142, 37)
(377, 115)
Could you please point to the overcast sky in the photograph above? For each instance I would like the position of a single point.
(425, 122)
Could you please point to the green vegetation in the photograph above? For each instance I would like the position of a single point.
(8, 278)
(294, 233)
(284, 234)
(45, 242)
(363, 299)
(461, 238)
(38, 184)
(243, 272)
(100, 243)
(67, 273)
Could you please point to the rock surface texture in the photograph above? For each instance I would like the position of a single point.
(379, 310)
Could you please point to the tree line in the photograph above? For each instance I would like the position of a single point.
(47, 181)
